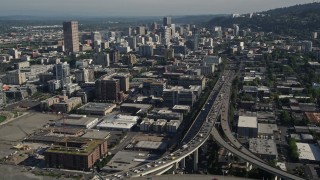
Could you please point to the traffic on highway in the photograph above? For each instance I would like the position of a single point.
(197, 134)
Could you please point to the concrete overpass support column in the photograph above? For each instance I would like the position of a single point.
(277, 178)
(195, 160)
(183, 163)
(249, 166)
(176, 166)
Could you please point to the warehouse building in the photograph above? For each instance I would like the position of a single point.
(266, 131)
(78, 122)
(308, 153)
(264, 148)
(135, 108)
(96, 108)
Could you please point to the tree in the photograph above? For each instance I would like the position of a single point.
(293, 149)
(285, 117)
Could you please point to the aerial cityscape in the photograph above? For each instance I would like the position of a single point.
(211, 95)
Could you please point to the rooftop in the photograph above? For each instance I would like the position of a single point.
(181, 107)
(96, 134)
(173, 123)
(97, 106)
(141, 106)
(147, 121)
(151, 145)
(308, 151)
(267, 128)
(160, 122)
(313, 117)
(119, 121)
(87, 147)
(263, 146)
(83, 121)
(248, 121)
(124, 160)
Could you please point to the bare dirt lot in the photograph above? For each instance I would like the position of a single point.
(15, 131)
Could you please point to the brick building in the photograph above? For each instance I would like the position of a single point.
(76, 153)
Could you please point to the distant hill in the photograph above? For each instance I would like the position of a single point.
(298, 20)
(195, 19)
(295, 10)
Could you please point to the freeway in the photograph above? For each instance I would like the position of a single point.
(197, 134)
(225, 124)
(235, 146)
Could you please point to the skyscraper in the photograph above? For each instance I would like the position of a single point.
(141, 30)
(195, 34)
(236, 30)
(165, 33)
(132, 41)
(71, 36)
(167, 21)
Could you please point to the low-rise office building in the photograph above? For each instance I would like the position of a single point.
(68, 105)
(181, 109)
(146, 125)
(160, 125)
(165, 114)
(172, 126)
(247, 126)
(48, 103)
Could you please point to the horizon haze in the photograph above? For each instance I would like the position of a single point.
(133, 7)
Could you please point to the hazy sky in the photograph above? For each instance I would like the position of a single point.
(137, 7)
